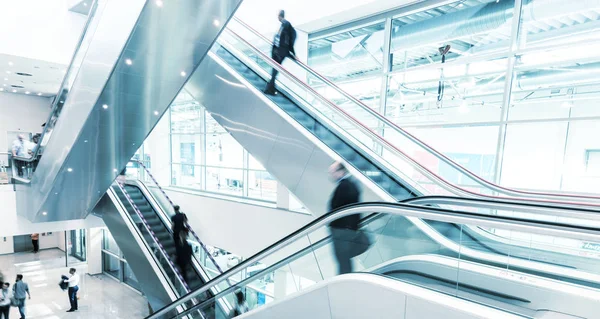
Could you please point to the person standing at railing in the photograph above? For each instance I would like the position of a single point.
(19, 149)
(348, 241)
(283, 47)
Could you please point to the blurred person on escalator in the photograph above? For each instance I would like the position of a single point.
(184, 252)
(283, 47)
(241, 306)
(348, 240)
(178, 224)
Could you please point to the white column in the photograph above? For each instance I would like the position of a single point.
(94, 250)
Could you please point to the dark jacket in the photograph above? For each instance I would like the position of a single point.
(178, 222)
(283, 44)
(347, 192)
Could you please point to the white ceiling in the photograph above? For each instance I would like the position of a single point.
(45, 78)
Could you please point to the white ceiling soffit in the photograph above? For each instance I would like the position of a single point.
(81, 6)
(28, 76)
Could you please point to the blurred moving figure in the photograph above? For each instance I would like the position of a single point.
(19, 149)
(241, 306)
(21, 291)
(184, 254)
(5, 300)
(348, 242)
(178, 224)
(283, 47)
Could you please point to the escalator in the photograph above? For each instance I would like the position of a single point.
(142, 229)
(305, 258)
(118, 85)
(297, 133)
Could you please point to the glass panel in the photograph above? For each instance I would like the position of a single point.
(418, 38)
(78, 244)
(262, 185)
(187, 175)
(111, 265)
(225, 180)
(349, 54)
(129, 277)
(534, 155)
(222, 150)
(109, 243)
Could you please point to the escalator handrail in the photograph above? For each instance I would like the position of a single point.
(431, 150)
(187, 224)
(544, 208)
(456, 190)
(63, 85)
(428, 213)
(156, 240)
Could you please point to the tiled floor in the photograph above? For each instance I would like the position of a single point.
(99, 296)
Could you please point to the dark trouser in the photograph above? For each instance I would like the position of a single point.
(36, 245)
(271, 84)
(73, 297)
(4, 311)
(21, 307)
(183, 267)
(20, 167)
(347, 243)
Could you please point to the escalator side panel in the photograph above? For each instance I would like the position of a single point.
(146, 78)
(295, 157)
(135, 252)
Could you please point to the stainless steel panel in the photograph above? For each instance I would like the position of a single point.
(144, 268)
(291, 154)
(89, 151)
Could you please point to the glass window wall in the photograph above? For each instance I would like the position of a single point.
(114, 263)
(446, 77)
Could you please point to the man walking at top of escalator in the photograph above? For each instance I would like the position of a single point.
(283, 47)
(348, 240)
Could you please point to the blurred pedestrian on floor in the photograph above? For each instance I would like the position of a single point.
(21, 291)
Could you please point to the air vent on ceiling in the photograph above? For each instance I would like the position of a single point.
(18, 86)
(23, 74)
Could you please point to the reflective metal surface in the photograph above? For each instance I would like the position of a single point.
(295, 157)
(97, 135)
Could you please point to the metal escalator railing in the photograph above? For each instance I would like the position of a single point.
(390, 242)
(408, 142)
(165, 255)
(214, 264)
(71, 73)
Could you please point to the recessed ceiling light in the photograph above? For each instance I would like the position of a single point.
(39, 94)
(183, 73)
(155, 112)
(85, 141)
(45, 213)
(10, 63)
(85, 4)
(105, 106)
(4, 84)
(115, 170)
(159, 3)
(1, 89)
(14, 91)
(69, 169)
(128, 62)
(216, 22)
(27, 92)
(7, 72)
(61, 101)
(5, 79)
